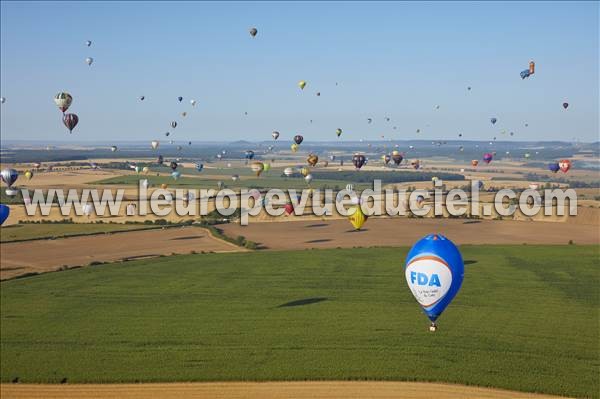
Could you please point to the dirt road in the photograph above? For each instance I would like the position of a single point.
(262, 390)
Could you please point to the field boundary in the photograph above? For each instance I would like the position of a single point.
(347, 389)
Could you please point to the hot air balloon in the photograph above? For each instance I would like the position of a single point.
(294, 147)
(257, 168)
(474, 162)
(164, 186)
(275, 135)
(308, 178)
(415, 163)
(527, 155)
(253, 32)
(356, 217)
(160, 158)
(88, 43)
(312, 159)
(554, 167)
(298, 139)
(369, 120)
(565, 105)
(89, 61)
(36, 165)
(137, 169)
(302, 84)
(176, 174)
(358, 160)
(142, 98)
(2, 100)
(179, 148)
(199, 166)
(249, 154)
(173, 165)
(338, 132)
(193, 102)
(63, 100)
(434, 273)
(304, 171)
(397, 157)
(113, 148)
(145, 170)
(487, 157)
(184, 114)
(70, 121)
(493, 120)
(235, 177)
(173, 124)
(4, 212)
(288, 172)
(266, 167)
(154, 144)
(564, 165)
(386, 159)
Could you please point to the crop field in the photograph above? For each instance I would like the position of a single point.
(21, 232)
(265, 182)
(526, 319)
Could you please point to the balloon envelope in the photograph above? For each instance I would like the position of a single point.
(9, 176)
(4, 212)
(434, 273)
(553, 167)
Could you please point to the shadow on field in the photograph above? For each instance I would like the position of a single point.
(186, 238)
(472, 221)
(356, 231)
(470, 262)
(318, 225)
(302, 302)
(318, 241)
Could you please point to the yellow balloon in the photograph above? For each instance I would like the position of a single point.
(305, 171)
(357, 217)
(302, 84)
(294, 147)
(28, 175)
(145, 170)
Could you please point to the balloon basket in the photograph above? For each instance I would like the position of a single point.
(433, 327)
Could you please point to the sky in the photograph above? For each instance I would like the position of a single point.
(389, 59)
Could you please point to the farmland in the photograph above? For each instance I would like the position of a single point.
(526, 319)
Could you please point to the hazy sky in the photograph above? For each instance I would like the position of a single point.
(396, 60)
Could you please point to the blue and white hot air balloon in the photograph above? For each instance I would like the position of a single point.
(4, 212)
(434, 273)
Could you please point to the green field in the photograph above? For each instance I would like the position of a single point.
(32, 231)
(525, 319)
(266, 181)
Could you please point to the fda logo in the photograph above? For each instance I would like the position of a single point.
(424, 279)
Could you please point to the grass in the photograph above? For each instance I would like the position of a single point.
(526, 319)
(23, 232)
